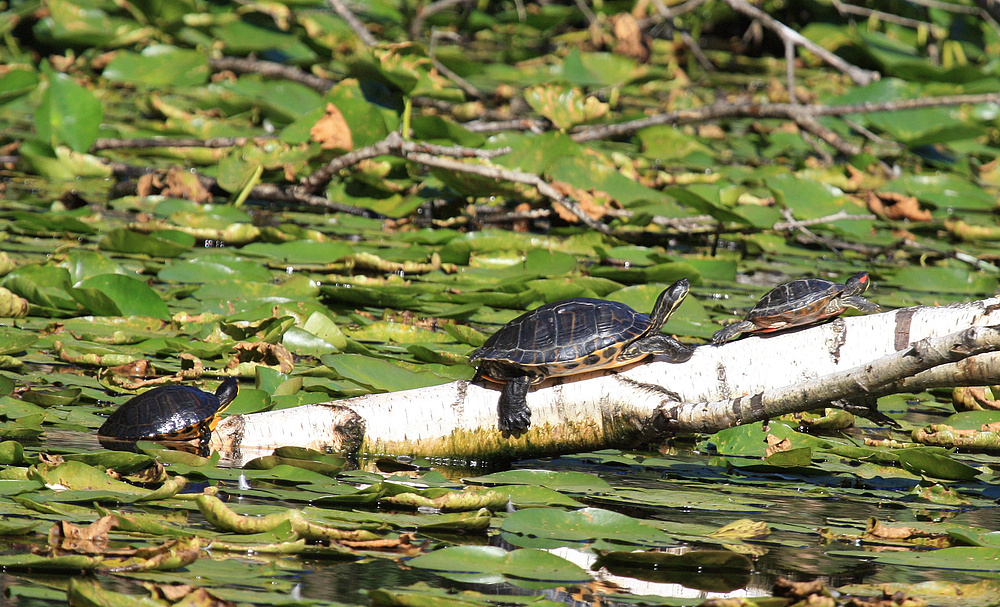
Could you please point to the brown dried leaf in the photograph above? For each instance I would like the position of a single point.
(332, 131)
(877, 529)
(776, 445)
(66, 537)
(594, 203)
(629, 40)
(275, 356)
(181, 183)
(897, 206)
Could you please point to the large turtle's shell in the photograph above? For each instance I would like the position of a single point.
(566, 337)
(796, 302)
(168, 412)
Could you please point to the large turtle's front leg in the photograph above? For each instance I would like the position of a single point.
(515, 417)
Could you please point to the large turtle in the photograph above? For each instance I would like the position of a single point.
(174, 413)
(800, 302)
(572, 336)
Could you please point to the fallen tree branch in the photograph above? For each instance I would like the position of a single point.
(849, 358)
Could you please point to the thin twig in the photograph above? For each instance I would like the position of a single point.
(355, 24)
(858, 75)
(851, 9)
(112, 143)
(243, 65)
(786, 111)
(794, 224)
(462, 83)
(426, 11)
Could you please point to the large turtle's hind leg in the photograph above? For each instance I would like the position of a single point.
(515, 417)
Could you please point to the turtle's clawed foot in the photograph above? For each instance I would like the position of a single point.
(512, 410)
(514, 423)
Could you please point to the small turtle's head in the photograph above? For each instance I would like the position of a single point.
(226, 392)
(857, 284)
(668, 301)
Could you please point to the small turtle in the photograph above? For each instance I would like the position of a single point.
(174, 413)
(800, 302)
(572, 336)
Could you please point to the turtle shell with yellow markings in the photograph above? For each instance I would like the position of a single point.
(572, 336)
(174, 413)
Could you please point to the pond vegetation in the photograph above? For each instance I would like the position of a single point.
(328, 201)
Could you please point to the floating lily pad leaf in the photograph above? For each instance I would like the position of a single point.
(126, 295)
(808, 199)
(37, 562)
(242, 38)
(669, 144)
(405, 67)
(706, 570)
(527, 496)
(599, 69)
(68, 114)
(944, 191)
(665, 273)
(386, 331)
(47, 223)
(378, 374)
(301, 251)
(159, 65)
(705, 200)
(919, 460)
(589, 174)
(550, 527)
(166, 243)
(210, 268)
(673, 498)
(13, 340)
(747, 440)
(52, 398)
(565, 107)
(569, 482)
(972, 420)
(80, 477)
(303, 343)
(957, 559)
(83, 264)
(536, 153)
(491, 565)
(43, 285)
(437, 128)
(17, 82)
(11, 453)
(936, 279)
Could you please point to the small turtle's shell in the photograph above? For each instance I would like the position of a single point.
(168, 413)
(565, 337)
(798, 302)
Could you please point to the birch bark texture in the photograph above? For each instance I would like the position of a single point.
(751, 379)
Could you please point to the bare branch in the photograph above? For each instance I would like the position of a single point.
(856, 74)
(355, 24)
(243, 65)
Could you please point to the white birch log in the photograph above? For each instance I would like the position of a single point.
(740, 382)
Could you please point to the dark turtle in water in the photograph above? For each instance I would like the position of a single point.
(800, 302)
(572, 336)
(172, 413)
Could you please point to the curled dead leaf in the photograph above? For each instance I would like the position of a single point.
(629, 39)
(12, 305)
(331, 131)
(897, 206)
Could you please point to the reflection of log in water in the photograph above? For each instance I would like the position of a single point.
(851, 359)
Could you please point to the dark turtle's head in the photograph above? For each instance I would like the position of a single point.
(226, 392)
(857, 284)
(667, 303)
